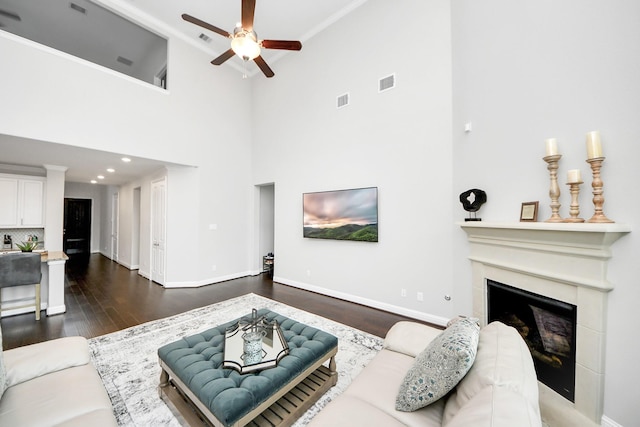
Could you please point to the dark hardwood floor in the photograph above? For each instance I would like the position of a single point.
(101, 297)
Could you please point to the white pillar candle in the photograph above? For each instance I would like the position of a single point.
(552, 147)
(573, 176)
(594, 145)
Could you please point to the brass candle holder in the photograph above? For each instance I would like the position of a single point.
(554, 190)
(597, 184)
(574, 208)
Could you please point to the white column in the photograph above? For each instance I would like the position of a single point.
(56, 287)
(53, 236)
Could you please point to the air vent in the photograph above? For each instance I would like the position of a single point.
(204, 37)
(387, 83)
(125, 61)
(78, 8)
(10, 15)
(343, 100)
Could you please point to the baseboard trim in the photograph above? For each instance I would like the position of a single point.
(437, 320)
(6, 312)
(56, 310)
(608, 422)
(204, 282)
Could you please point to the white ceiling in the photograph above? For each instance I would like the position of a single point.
(274, 20)
(83, 164)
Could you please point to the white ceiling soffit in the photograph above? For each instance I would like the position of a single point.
(28, 157)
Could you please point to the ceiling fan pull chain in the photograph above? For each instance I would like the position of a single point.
(244, 72)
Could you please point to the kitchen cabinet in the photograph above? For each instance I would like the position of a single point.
(21, 202)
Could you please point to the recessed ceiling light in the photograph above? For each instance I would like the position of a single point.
(126, 159)
(93, 181)
(111, 170)
(100, 176)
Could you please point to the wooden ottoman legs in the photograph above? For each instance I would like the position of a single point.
(164, 381)
(333, 370)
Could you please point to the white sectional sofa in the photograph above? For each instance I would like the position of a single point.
(499, 390)
(52, 383)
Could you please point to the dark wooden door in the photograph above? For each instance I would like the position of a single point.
(77, 226)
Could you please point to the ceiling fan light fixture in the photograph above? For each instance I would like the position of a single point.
(245, 44)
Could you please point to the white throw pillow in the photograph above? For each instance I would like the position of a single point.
(440, 366)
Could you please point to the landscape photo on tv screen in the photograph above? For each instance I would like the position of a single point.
(342, 214)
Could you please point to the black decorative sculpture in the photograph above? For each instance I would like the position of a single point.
(471, 201)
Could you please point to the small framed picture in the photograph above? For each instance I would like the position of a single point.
(529, 212)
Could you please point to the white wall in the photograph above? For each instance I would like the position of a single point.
(82, 104)
(398, 141)
(95, 193)
(526, 71)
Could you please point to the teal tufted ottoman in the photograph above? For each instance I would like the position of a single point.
(279, 395)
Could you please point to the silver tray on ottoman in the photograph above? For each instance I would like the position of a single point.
(274, 347)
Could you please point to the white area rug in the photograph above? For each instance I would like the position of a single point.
(127, 360)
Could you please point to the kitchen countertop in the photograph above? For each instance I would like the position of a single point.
(45, 255)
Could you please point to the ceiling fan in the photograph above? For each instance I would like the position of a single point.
(244, 41)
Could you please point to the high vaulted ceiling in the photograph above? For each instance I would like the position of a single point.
(274, 19)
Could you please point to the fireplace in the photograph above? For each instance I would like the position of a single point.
(547, 325)
(566, 264)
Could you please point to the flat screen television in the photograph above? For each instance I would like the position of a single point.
(341, 214)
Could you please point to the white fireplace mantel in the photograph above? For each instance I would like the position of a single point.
(571, 253)
(564, 261)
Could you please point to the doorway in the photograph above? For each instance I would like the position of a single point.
(266, 227)
(77, 226)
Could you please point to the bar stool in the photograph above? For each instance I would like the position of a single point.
(19, 269)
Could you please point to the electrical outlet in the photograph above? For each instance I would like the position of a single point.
(403, 293)
(308, 273)
(420, 296)
(213, 267)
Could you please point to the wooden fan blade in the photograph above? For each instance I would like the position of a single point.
(281, 44)
(222, 58)
(206, 25)
(248, 10)
(264, 67)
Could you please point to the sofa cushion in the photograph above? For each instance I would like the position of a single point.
(496, 407)
(503, 360)
(370, 398)
(349, 411)
(32, 361)
(410, 338)
(440, 366)
(3, 371)
(68, 397)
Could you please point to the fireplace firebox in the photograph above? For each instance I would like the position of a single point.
(547, 325)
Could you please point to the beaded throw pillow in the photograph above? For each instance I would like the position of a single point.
(3, 371)
(440, 366)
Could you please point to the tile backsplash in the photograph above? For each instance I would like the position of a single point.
(19, 235)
